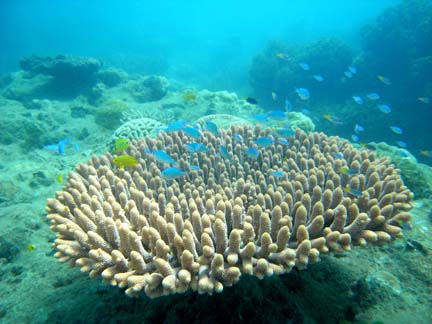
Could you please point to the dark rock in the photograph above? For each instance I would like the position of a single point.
(111, 77)
(62, 282)
(8, 250)
(40, 179)
(5, 80)
(8, 190)
(24, 89)
(78, 112)
(17, 270)
(95, 93)
(147, 89)
(70, 75)
(83, 134)
(61, 66)
(2, 311)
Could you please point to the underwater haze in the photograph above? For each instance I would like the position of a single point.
(208, 43)
(213, 162)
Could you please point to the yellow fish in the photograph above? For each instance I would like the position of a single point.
(384, 79)
(31, 247)
(125, 161)
(121, 144)
(425, 100)
(354, 192)
(189, 96)
(282, 56)
(332, 119)
(426, 153)
(59, 178)
(348, 171)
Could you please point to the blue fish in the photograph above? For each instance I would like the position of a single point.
(252, 152)
(318, 77)
(352, 69)
(358, 100)
(358, 128)
(384, 108)
(277, 114)
(348, 74)
(306, 111)
(51, 147)
(191, 132)
(425, 100)
(396, 130)
(277, 174)
(284, 131)
(194, 167)
(338, 155)
(76, 147)
(60, 147)
(303, 93)
(263, 141)
(288, 105)
(355, 138)
(163, 157)
(402, 144)
(224, 153)
(304, 66)
(197, 147)
(176, 126)
(212, 128)
(238, 138)
(260, 117)
(283, 141)
(173, 173)
(373, 96)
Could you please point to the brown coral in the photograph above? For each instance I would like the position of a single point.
(141, 231)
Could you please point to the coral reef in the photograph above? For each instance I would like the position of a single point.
(18, 128)
(142, 231)
(326, 56)
(417, 176)
(151, 88)
(138, 128)
(57, 77)
(62, 67)
(398, 44)
(110, 114)
(223, 120)
(24, 88)
(173, 106)
(300, 120)
(112, 77)
(164, 113)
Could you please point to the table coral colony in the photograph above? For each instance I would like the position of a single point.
(233, 215)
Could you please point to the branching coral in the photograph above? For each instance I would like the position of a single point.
(143, 232)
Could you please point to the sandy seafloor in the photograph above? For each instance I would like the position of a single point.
(391, 283)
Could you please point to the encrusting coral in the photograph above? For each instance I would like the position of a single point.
(137, 128)
(144, 232)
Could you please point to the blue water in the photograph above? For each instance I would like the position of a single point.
(210, 44)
